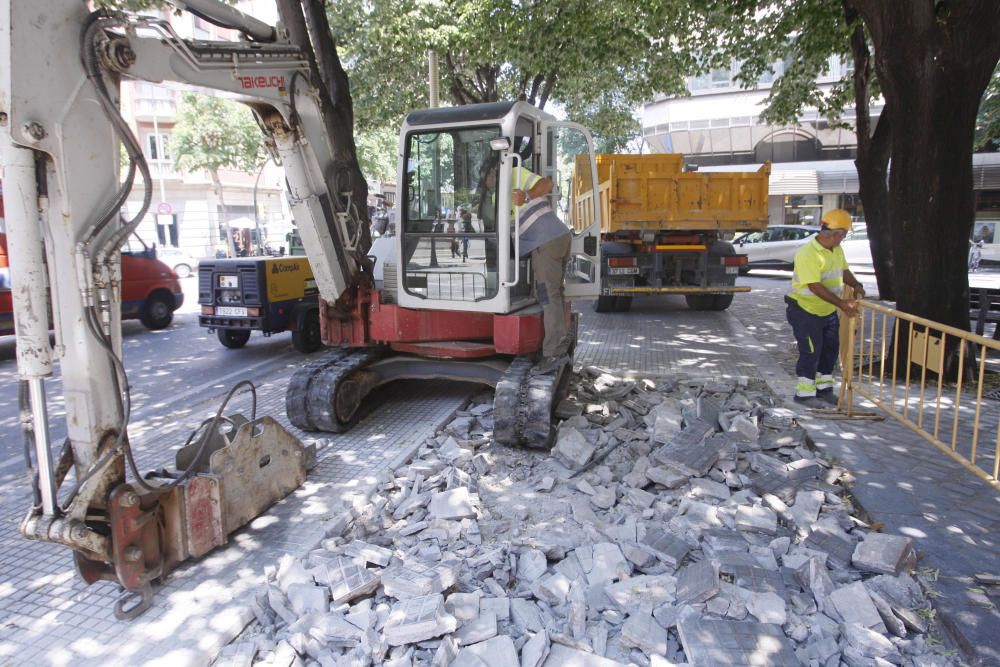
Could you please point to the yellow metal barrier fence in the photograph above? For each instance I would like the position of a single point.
(944, 413)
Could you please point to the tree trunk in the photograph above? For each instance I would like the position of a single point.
(223, 216)
(308, 27)
(872, 162)
(934, 60)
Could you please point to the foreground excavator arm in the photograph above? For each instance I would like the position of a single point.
(60, 65)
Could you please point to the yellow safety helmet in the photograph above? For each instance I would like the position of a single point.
(836, 218)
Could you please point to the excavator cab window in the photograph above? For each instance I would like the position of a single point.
(449, 232)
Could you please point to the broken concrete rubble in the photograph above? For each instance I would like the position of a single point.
(674, 522)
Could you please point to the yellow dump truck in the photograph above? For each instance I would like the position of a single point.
(663, 228)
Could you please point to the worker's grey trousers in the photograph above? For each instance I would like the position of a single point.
(548, 261)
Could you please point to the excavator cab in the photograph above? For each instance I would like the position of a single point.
(458, 247)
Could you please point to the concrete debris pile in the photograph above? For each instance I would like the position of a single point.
(673, 523)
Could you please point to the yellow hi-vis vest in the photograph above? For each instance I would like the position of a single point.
(816, 264)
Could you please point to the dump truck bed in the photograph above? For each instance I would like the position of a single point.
(652, 192)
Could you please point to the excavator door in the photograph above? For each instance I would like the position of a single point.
(568, 159)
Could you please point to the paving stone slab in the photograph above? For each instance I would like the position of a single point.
(697, 582)
(885, 554)
(417, 619)
(720, 643)
(666, 547)
(839, 550)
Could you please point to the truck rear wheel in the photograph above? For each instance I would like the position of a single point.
(605, 304)
(722, 301)
(700, 301)
(233, 338)
(307, 338)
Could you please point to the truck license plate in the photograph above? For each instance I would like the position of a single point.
(732, 269)
(622, 270)
(229, 282)
(231, 311)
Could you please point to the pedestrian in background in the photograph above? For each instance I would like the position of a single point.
(821, 271)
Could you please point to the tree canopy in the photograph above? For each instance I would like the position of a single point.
(575, 53)
(213, 133)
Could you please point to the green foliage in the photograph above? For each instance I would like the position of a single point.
(988, 121)
(803, 35)
(213, 133)
(377, 153)
(579, 53)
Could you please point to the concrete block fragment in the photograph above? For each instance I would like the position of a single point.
(564, 656)
(348, 580)
(855, 607)
(370, 553)
(415, 578)
(545, 484)
(496, 652)
(535, 650)
(882, 553)
(645, 592)
(531, 564)
(464, 606)
(803, 469)
(604, 498)
(807, 506)
(766, 607)
(479, 629)
(746, 428)
(838, 549)
(291, 571)
(572, 449)
(702, 487)
(666, 476)
(457, 503)
(756, 519)
(452, 452)
(446, 652)
(500, 606)
(305, 598)
(644, 633)
(552, 589)
(665, 546)
(417, 619)
(638, 497)
(723, 643)
(637, 555)
(697, 582)
(892, 622)
(525, 615)
(608, 564)
(667, 420)
(870, 643)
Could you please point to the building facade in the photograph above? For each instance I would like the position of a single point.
(718, 128)
(185, 211)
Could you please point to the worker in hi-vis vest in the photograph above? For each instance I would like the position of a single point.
(547, 239)
(820, 272)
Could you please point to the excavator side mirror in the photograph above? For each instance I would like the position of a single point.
(500, 144)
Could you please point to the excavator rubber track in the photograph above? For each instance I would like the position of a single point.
(321, 395)
(298, 388)
(524, 404)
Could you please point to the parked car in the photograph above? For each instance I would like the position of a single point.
(775, 247)
(857, 251)
(182, 263)
(150, 289)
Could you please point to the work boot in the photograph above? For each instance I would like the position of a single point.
(827, 396)
(813, 402)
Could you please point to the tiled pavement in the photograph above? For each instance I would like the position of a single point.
(47, 615)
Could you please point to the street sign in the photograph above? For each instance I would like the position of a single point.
(163, 208)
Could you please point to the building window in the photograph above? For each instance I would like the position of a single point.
(803, 209)
(852, 204)
(157, 146)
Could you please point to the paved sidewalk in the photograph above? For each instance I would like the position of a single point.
(904, 483)
(49, 617)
